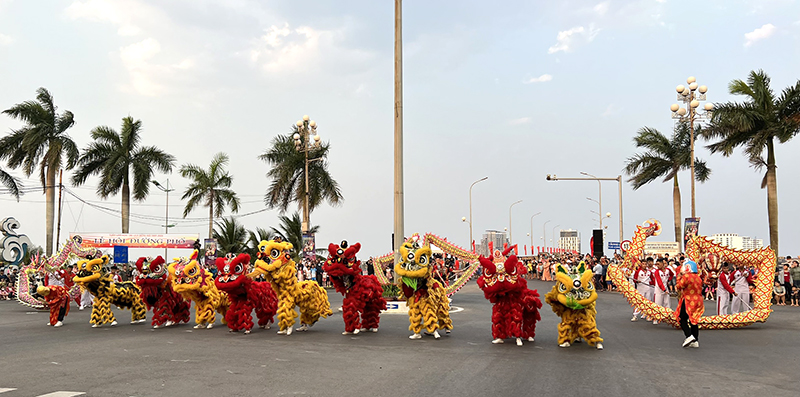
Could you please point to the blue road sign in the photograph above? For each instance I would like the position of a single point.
(613, 245)
(120, 254)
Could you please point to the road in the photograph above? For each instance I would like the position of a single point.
(640, 359)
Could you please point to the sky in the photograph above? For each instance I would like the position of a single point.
(510, 90)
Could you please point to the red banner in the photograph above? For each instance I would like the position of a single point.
(100, 240)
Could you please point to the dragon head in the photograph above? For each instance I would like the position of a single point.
(575, 287)
(415, 261)
(651, 228)
(711, 265)
(272, 255)
(152, 272)
(342, 260)
(187, 275)
(90, 270)
(501, 273)
(231, 273)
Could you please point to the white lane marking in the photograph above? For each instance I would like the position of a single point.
(456, 309)
(3, 389)
(62, 394)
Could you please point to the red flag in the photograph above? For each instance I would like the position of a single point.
(526, 249)
(491, 248)
(516, 250)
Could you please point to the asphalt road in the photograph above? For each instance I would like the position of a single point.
(640, 359)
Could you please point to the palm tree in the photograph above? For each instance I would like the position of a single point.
(231, 236)
(114, 156)
(42, 142)
(291, 231)
(757, 124)
(663, 158)
(255, 237)
(11, 183)
(288, 179)
(211, 188)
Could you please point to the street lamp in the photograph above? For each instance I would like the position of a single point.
(509, 221)
(303, 143)
(619, 182)
(531, 234)
(544, 235)
(470, 210)
(554, 235)
(166, 190)
(689, 113)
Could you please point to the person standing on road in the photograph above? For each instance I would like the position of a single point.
(643, 278)
(690, 303)
(662, 276)
(741, 287)
(724, 291)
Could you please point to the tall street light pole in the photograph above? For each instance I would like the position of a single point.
(554, 235)
(471, 241)
(510, 240)
(688, 114)
(398, 129)
(303, 143)
(544, 235)
(538, 213)
(599, 197)
(619, 182)
(166, 190)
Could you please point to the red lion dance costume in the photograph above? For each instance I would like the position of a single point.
(363, 295)
(245, 295)
(168, 306)
(515, 308)
(57, 298)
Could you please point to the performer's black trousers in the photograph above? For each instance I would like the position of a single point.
(61, 312)
(688, 328)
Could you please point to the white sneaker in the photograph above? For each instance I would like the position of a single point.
(688, 341)
(289, 330)
(347, 333)
(436, 334)
(498, 341)
(415, 336)
(364, 329)
(599, 346)
(281, 332)
(247, 332)
(210, 325)
(655, 322)
(198, 326)
(565, 344)
(375, 330)
(80, 307)
(303, 328)
(113, 323)
(156, 326)
(95, 326)
(530, 339)
(58, 324)
(694, 344)
(634, 318)
(48, 324)
(169, 324)
(519, 341)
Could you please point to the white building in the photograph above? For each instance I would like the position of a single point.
(497, 238)
(569, 240)
(733, 240)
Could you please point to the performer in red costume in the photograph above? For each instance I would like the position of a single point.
(515, 308)
(662, 274)
(363, 295)
(690, 304)
(168, 306)
(57, 298)
(245, 295)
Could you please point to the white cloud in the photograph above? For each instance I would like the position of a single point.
(567, 40)
(611, 110)
(520, 121)
(759, 34)
(144, 72)
(5, 39)
(601, 8)
(541, 79)
(120, 12)
(661, 1)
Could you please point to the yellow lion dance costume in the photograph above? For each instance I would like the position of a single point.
(573, 299)
(93, 278)
(428, 305)
(196, 284)
(275, 263)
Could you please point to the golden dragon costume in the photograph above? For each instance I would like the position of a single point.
(275, 263)
(196, 284)
(125, 295)
(428, 305)
(573, 298)
(708, 255)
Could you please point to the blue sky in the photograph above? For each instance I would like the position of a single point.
(512, 91)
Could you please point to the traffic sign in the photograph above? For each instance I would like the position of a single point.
(120, 254)
(613, 245)
(625, 245)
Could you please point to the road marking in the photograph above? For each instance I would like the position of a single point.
(456, 309)
(3, 390)
(62, 394)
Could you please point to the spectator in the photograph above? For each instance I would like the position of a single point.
(795, 296)
(780, 294)
(786, 278)
(794, 271)
(598, 276)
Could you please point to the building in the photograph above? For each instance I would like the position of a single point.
(496, 237)
(733, 240)
(569, 240)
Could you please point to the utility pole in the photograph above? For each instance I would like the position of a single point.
(398, 130)
(60, 187)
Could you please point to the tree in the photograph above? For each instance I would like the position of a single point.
(211, 188)
(114, 156)
(756, 125)
(11, 183)
(231, 236)
(287, 175)
(256, 237)
(663, 158)
(291, 231)
(41, 143)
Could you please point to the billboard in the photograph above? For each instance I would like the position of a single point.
(690, 228)
(103, 240)
(309, 247)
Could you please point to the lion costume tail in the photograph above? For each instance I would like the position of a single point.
(313, 302)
